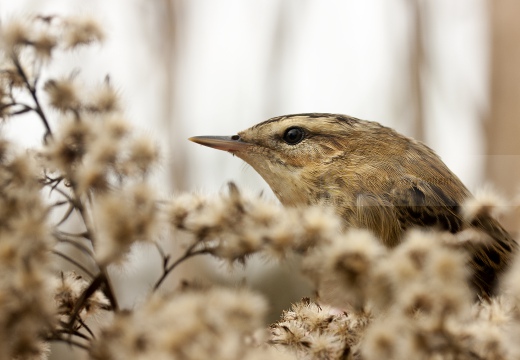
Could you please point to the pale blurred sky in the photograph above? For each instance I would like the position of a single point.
(234, 63)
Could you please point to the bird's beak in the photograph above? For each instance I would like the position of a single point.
(225, 143)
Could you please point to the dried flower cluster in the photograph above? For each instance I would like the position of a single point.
(413, 301)
(409, 302)
(95, 169)
(194, 324)
(233, 226)
(67, 291)
(25, 244)
(314, 331)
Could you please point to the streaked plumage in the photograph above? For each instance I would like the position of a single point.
(373, 176)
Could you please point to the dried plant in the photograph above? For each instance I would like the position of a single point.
(408, 302)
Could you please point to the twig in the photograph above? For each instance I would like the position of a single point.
(58, 203)
(63, 330)
(66, 215)
(32, 90)
(109, 291)
(85, 295)
(74, 243)
(69, 341)
(74, 262)
(85, 326)
(83, 235)
(24, 108)
(188, 254)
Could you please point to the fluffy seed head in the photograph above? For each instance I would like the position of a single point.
(82, 31)
(63, 94)
(14, 34)
(486, 202)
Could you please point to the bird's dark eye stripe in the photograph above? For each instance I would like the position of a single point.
(293, 135)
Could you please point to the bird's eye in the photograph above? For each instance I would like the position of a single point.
(294, 135)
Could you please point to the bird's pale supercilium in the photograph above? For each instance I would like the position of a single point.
(374, 178)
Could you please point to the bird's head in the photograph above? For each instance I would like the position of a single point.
(306, 158)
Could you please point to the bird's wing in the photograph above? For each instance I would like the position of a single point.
(410, 202)
(421, 203)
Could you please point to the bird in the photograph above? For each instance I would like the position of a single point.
(372, 176)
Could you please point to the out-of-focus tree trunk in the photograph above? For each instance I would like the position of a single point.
(177, 164)
(503, 125)
(418, 65)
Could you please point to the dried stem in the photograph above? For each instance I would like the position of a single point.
(71, 333)
(85, 295)
(74, 262)
(69, 341)
(86, 327)
(32, 90)
(74, 243)
(89, 234)
(190, 252)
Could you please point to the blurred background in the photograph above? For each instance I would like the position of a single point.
(445, 72)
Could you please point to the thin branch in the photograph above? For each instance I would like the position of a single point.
(66, 215)
(71, 332)
(69, 341)
(24, 107)
(49, 180)
(32, 90)
(109, 291)
(188, 254)
(83, 235)
(74, 262)
(85, 295)
(74, 243)
(59, 203)
(164, 256)
(54, 187)
(85, 326)
(20, 112)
